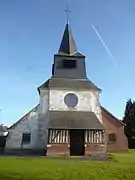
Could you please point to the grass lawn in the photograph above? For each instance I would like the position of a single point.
(67, 169)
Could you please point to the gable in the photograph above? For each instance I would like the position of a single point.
(25, 117)
(111, 118)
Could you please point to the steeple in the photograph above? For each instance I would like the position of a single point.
(67, 45)
(68, 62)
(68, 68)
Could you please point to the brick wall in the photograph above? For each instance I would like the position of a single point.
(64, 149)
(94, 149)
(58, 150)
(113, 126)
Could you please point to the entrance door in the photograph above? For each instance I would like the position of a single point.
(77, 142)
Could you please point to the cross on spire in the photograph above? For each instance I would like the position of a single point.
(68, 11)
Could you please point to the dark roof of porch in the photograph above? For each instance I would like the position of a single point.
(74, 120)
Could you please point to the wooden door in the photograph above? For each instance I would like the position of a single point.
(77, 141)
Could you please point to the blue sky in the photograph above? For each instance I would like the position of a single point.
(30, 34)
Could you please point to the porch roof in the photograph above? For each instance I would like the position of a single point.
(74, 120)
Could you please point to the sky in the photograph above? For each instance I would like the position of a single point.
(30, 35)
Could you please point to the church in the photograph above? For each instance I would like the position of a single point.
(69, 119)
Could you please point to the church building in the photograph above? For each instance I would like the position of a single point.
(69, 120)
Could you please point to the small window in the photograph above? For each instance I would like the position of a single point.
(26, 138)
(69, 63)
(112, 138)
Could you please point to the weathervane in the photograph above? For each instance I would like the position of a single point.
(67, 10)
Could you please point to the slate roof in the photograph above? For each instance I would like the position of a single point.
(74, 120)
(67, 45)
(83, 84)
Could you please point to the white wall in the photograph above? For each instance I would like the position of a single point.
(88, 101)
(36, 124)
(29, 125)
(44, 101)
(43, 118)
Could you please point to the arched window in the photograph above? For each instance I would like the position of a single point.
(112, 138)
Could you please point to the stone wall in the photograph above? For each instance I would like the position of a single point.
(43, 118)
(30, 125)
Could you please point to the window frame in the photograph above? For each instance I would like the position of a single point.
(26, 140)
(112, 138)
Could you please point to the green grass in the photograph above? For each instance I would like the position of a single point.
(66, 169)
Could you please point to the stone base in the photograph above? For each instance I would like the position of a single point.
(25, 152)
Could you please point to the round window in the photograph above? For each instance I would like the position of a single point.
(71, 100)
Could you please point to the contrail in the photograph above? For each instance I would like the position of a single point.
(105, 46)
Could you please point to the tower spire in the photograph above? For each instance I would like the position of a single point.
(67, 45)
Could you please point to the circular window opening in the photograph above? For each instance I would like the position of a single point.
(71, 100)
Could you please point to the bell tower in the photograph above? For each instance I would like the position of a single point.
(68, 62)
